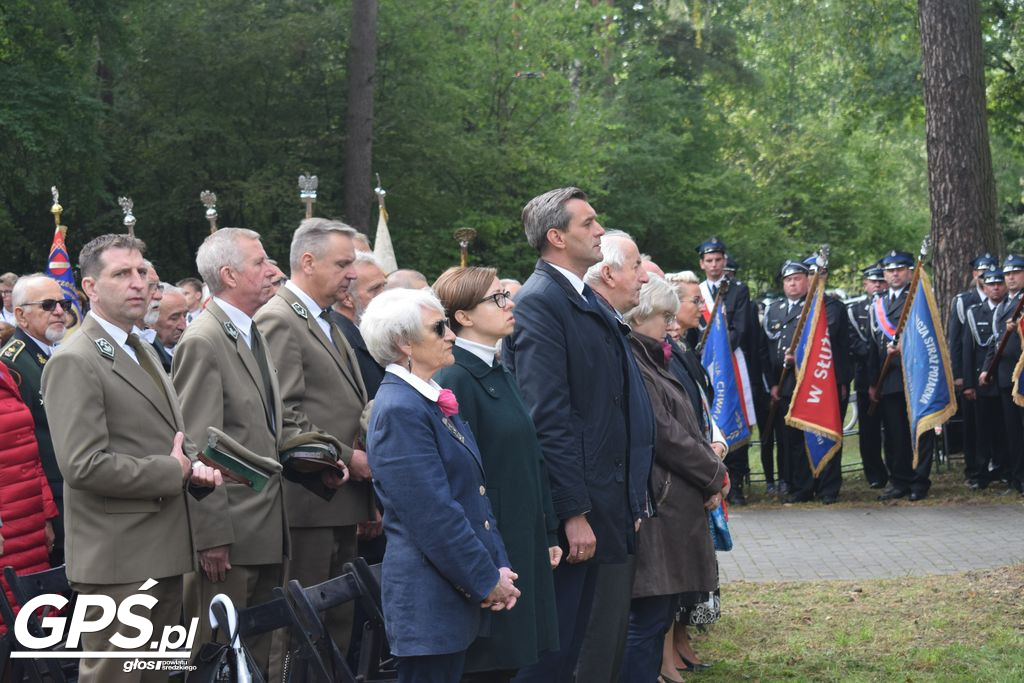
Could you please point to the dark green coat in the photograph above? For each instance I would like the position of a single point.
(517, 485)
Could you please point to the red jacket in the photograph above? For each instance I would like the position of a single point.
(26, 501)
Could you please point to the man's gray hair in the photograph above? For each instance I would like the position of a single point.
(220, 249)
(657, 297)
(366, 257)
(684, 277)
(548, 211)
(612, 255)
(395, 317)
(19, 295)
(311, 237)
(168, 288)
(406, 278)
(8, 279)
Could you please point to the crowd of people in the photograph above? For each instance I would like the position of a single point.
(533, 465)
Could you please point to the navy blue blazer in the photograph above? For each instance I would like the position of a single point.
(444, 549)
(568, 362)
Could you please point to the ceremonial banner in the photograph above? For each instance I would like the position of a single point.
(927, 377)
(58, 266)
(1018, 387)
(382, 247)
(814, 407)
(727, 408)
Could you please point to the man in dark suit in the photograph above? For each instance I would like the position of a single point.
(740, 318)
(348, 310)
(170, 324)
(979, 335)
(904, 478)
(617, 280)
(869, 425)
(1010, 466)
(564, 354)
(26, 354)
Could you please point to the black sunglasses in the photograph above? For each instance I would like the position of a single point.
(500, 299)
(49, 304)
(440, 326)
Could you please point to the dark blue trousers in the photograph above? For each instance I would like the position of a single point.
(574, 595)
(431, 668)
(649, 619)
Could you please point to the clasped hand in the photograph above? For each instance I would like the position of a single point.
(505, 594)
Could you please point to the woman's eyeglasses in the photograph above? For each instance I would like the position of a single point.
(500, 299)
(440, 326)
(49, 304)
(695, 300)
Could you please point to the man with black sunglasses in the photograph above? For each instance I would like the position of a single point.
(39, 309)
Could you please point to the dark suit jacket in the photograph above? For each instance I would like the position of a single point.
(956, 329)
(26, 360)
(780, 326)
(444, 548)
(567, 359)
(165, 358)
(979, 336)
(371, 371)
(1011, 352)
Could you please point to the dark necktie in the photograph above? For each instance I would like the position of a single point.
(147, 363)
(261, 361)
(335, 337)
(714, 291)
(591, 298)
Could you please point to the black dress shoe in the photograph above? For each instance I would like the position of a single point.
(828, 500)
(915, 496)
(977, 484)
(875, 485)
(798, 498)
(736, 498)
(893, 494)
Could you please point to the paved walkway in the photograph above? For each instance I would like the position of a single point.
(795, 544)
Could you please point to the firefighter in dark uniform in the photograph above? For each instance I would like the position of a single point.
(955, 333)
(984, 404)
(1009, 466)
(825, 487)
(736, 300)
(780, 321)
(904, 479)
(869, 425)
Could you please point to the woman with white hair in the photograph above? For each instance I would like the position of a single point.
(674, 553)
(445, 563)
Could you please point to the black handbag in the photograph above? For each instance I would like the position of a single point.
(218, 662)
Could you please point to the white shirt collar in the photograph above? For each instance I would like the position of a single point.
(572, 277)
(45, 346)
(895, 293)
(8, 317)
(481, 351)
(306, 299)
(147, 335)
(116, 333)
(430, 390)
(237, 317)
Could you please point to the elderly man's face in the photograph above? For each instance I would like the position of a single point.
(629, 278)
(370, 281)
(37, 322)
(172, 322)
(253, 284)
(118, 293)
(332, 273)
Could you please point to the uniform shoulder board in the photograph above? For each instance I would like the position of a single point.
(230, 328)
(105, 347)
(300, 310)
(13, 348)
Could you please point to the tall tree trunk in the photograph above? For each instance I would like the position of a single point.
(362, 68)
(960, 179)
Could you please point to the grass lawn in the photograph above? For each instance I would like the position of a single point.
(959, 627)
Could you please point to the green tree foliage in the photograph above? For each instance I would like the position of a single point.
(776, 125)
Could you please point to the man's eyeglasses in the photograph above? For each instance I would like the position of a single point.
(439, 327)
(500, 299)
(49, 304)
